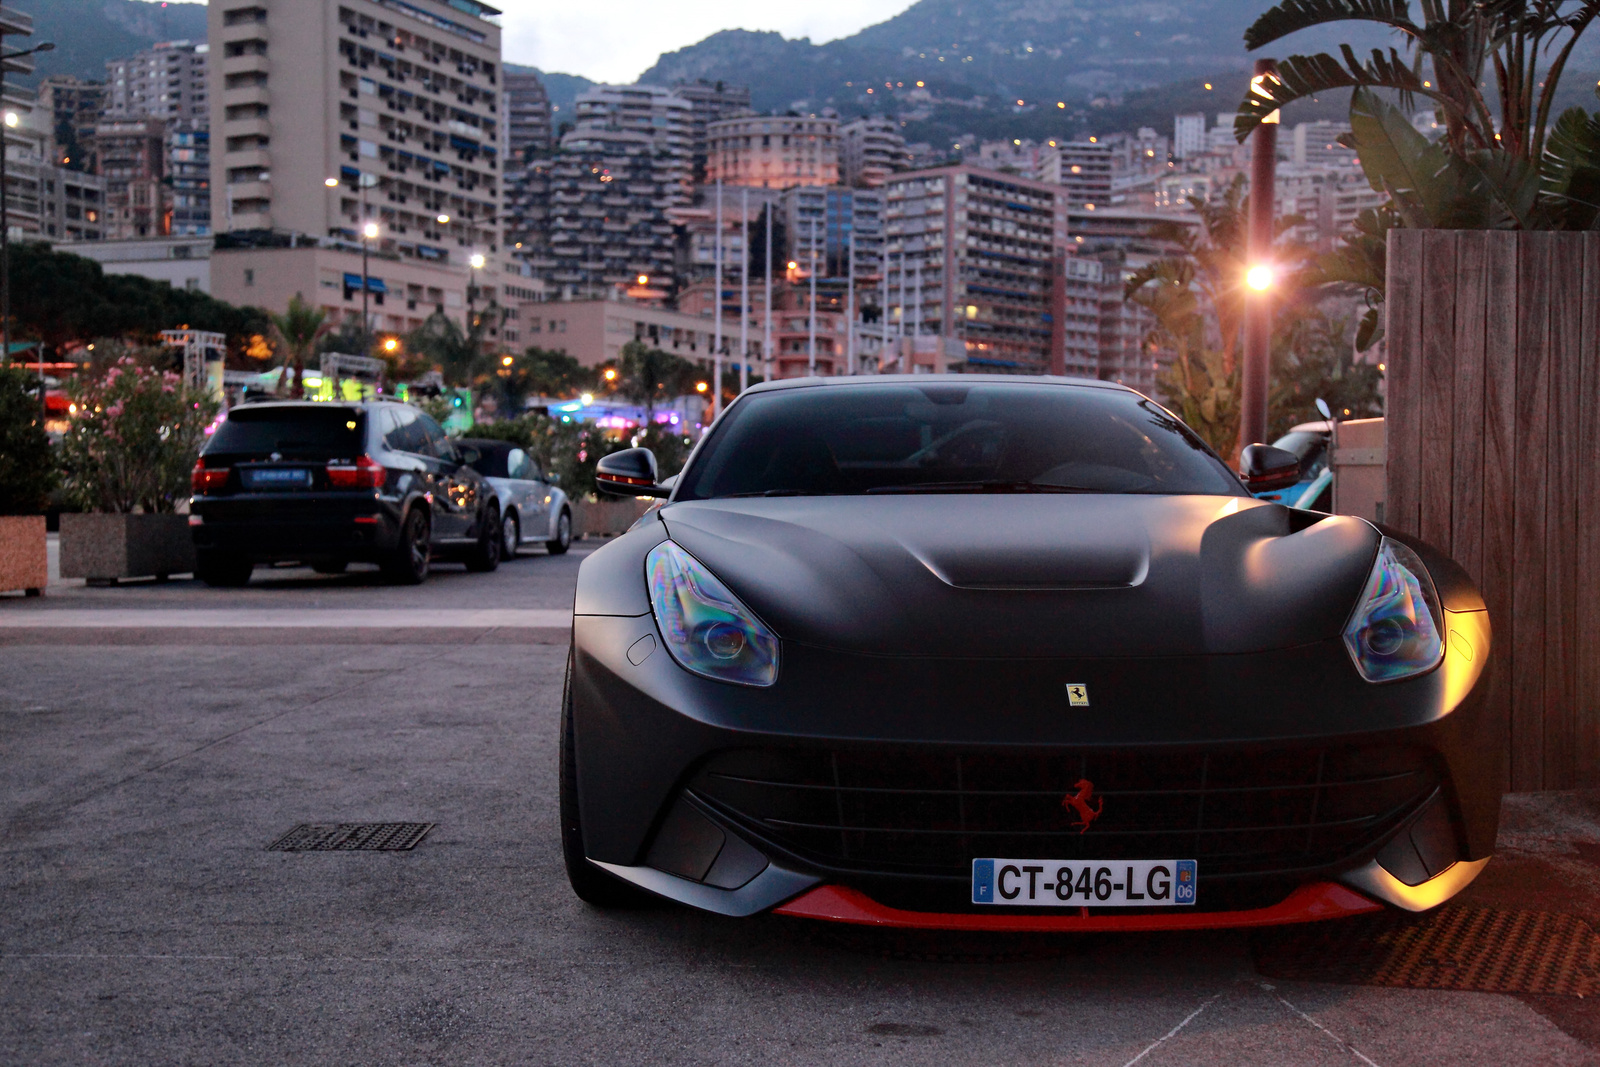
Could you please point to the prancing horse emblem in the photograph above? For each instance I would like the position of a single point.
(1079, 802)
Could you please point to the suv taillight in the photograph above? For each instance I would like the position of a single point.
(203, 479)
(364, 473)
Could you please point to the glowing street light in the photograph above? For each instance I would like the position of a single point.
(611, 374)
(477, 261)
(1259, 277)
(442, 218)
(391, 345)
(587, 398)
(331, 183)
(506, 361)
(370, 231)
(700, 387)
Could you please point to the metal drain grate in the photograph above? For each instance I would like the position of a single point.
(353, 836)
(1487, 950)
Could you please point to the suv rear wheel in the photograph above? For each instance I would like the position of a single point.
(485, 554)
(221, 570)
(408, 562)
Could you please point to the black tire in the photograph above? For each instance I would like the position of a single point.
(563, 538)
(484, 556)
(408, 562)
(591, 884)
(331, 566)
(222, 571)
(510, 535)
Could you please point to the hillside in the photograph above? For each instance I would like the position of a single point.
(87, 33)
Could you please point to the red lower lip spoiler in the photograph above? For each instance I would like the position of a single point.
(1309, 903)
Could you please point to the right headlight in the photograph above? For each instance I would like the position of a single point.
(707, 630)
(1394, 632)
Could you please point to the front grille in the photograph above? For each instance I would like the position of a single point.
(922, 813)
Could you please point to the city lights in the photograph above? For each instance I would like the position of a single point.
(587, 398)
(391, 345)
(701, 387)
(506, 361)
(1259, 277)
(477, 261)
(331, 183)
(442, 218)
(643, 279)
(370, 230)
(611, 374)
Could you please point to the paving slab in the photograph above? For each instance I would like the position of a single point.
(145, 921)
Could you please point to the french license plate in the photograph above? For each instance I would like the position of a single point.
(277, 478)
(1084, 883)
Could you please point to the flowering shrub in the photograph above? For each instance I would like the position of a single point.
(134, 438)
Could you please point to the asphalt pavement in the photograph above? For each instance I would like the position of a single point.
(142, 919)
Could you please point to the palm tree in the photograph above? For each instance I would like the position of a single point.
(649, 376)
(298, 330)
(459, 353)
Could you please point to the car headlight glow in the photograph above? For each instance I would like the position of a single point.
(707, 630)
(1394, 632)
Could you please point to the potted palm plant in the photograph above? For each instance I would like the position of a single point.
(127, 460)
(27, 473)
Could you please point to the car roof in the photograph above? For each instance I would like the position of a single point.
(852, 380)
(320, 405)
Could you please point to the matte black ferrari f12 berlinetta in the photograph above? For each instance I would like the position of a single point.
(1014, 654)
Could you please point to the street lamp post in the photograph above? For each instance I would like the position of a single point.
(1255, 367)
(369, 230)
(5, 219)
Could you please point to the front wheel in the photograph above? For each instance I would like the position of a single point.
(563, 538)
(485, 553)
(408, 562)
(510, 535)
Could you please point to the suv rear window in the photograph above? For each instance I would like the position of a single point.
(295, 432)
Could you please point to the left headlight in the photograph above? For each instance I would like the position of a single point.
(1394, 632)
(707, 630)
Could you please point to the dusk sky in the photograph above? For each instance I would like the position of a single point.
(616, 41)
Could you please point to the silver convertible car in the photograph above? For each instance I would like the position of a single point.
(533, 508)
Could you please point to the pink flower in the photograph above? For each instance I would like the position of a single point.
(114, 410)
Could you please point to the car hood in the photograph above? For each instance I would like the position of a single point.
(1033, 575)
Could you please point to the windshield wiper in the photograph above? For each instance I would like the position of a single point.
(981, 487)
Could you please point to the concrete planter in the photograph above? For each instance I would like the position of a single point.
(22, 554)
(105, 548)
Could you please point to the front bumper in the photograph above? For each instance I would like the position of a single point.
(1386, 766)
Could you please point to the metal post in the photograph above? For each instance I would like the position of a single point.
(883, 312)
(850, 300)
(744, 289)
(767, 319)
(716, 292)
(811, 318)
(5, 241)
(916, 311)
(1258, 303)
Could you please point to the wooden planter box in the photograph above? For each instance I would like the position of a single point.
(1493, 418)
(23, 563)
(105, 548)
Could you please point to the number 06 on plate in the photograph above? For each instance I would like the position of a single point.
(1082, 883)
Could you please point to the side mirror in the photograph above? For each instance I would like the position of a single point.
(631, 472)
(1265, 468)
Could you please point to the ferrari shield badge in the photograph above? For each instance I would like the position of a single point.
(1077, 695)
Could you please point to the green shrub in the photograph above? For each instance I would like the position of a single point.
(27, 470)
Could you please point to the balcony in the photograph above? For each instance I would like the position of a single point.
(251, 94)
(13, 21)
(246, 65)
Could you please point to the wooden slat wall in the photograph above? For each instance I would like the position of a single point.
(1494, 456)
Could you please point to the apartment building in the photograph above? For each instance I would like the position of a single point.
(820, 222)
(71, 204)
(594, 217)
(131, 155)
(167, 81)
(650, 111)
(1188, 135)
(709, 102)
(972, 255)
(525, 108)
(1316, 144)
(72, 108)
(773, 151)
(1083, 168)
(870, 149)
(328, 116)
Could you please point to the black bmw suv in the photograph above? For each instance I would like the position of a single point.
(329, 483)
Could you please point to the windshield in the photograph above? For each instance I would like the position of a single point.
(309, 432)
(949, 437)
